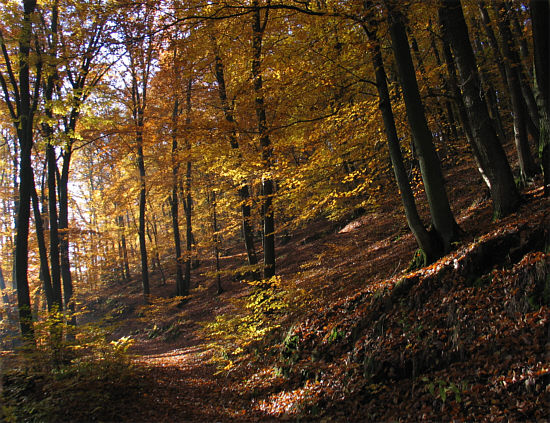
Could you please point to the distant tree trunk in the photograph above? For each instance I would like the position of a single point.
(142, 210)
(491, 154)
(442, 216)
(425, 241)
(540, 16)
(216, 241)
(244, 190)
(157, 250)
(445, 87)
(444, 137)
(5, 297)
(126, 265)
(63, 187)
(54, 232)
(53, 300)
(511, 64)
(268, 215)
(174, 205)
(188, 200)
(462, 113)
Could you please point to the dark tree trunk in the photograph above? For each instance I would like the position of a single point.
(54, 232)
(244, 190)
(442, 216)
(142, 210)
(540, 16)
(511, 66)
(425, 241)
(124, 248)
(63, 187)
(174, 205)
(268, 215)
(216, 241)
(445, 87)
(491, 154)
(188, 200)
(51, 299)
(24, 128)
(462, 113)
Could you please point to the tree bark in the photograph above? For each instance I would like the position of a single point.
(174, 205)
(511, 66)
(268, 215)
(442, 216)
(244, 190)
(491, 154)
(540, 15)
(425, 241)
(51, 299)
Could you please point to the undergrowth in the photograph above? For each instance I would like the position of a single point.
(61, 380)
(255, 321)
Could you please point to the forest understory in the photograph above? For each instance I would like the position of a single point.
(351, 334)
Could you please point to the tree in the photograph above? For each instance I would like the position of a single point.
(442, 217)
(425, 241)
(540, 13)
(491, 155)
(258, 28)
(22, 107)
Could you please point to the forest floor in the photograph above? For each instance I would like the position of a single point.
(359, 337)
(467, 338)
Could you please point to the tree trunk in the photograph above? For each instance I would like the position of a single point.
(442, 216)
(540, 16)
(244, 190)
(54, 232)
(425, 241)
(24, 128)
(258, 28)
(63, 187)
(511, 64)
(216, 241)
(174, 205)
(53, 301)
(124, 248)
(188, 200)
(142, 209)
(491, 154)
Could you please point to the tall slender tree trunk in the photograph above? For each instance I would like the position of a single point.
(540, 15)
(442, 216)
(425, 241)
(188, 200)
(142, 208)
(511, 64)
(24, 128)
(491, 154)
(124, 248)
(52, 300)
(174, 204)
(258, 28)
(244, 189)
(63, 187)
